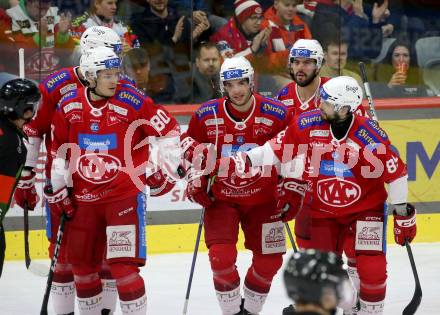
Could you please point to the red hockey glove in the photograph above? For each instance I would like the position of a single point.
(25, 191)
(60, 202)
(290, 196)
(197, 188)
(160, 184)
(405, 227)
(194, 154)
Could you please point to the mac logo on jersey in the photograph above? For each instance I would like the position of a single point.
(338, 192)
(98, 168)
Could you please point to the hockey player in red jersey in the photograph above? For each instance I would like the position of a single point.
(348, 159)
(305, 60)
(98, 135)
(238, 122)
(53, 88)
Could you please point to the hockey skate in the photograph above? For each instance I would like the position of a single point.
(242, 310)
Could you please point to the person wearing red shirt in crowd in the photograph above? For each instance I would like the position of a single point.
(244, 35)
(98, 132)
(239, 121)
(37, 27)
(284, 21)
(347, 159)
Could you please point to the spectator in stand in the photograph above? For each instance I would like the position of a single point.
(335, 56)
(363, 33)
(166, 35)
(243, 34)
(398, 76)
(200, 10)
(36, 26)
(103, 13)
(283, 19)
(136, 65)
(206, 73)
(161, 23)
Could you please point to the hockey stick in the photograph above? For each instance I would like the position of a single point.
(27, 257)
(34, 267)
(199, 232)
(53, 264)
(193, 263)
(412, 306)
(367, 90)
(292, 241)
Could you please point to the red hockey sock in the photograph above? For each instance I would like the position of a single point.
(261, 272)
(222, 258)
(128, 281)
(373, 276)
(87, 281)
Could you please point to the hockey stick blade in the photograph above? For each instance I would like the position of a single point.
(412, 307)
(39, 269)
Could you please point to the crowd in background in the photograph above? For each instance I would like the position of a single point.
(173, 49)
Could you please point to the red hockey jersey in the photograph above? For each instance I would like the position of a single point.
(290, 97)
(266, 119)
(105, 157)
(347, 175)
(52, 90)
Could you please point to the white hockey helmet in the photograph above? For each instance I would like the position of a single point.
(236, 68)
(96, 59)
(307, 48)
(341, 92)
(100, 36)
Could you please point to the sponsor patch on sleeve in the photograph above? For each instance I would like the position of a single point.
(367, 137)
(56, 79)
(207, 109)
(309, 119)
(130, 97)
(273, 109)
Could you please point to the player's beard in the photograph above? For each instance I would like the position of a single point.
(307, 81)
(335, 118)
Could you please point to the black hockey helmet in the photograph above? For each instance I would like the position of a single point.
(17, 96)
(310, 273)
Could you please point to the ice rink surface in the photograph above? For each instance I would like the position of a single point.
(166, 279)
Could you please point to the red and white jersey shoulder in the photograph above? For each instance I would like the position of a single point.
(214, 120)
(109, 142)
(52, 90)
(289, 95)
(347, 175)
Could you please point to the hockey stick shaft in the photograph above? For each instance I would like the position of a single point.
(27, 256)
(367, 90)
(193, 263)
(292, 241)
(412, 306)
(53, 265)
(21, 63)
